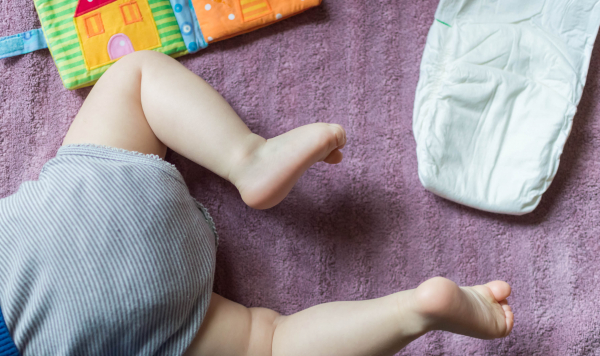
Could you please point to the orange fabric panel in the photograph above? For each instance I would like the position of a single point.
(221, 19)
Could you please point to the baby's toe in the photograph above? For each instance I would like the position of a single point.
(340, 135)
(510, 322)
(334, 157)
(500, 289)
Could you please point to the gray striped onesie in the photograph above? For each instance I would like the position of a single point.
(105, 254)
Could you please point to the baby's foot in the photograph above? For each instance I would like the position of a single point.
(270, 169)
(480, 311)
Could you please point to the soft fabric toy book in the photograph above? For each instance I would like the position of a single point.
(86, 36)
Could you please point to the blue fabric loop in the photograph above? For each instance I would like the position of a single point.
(7, 345)
(22, 43)
(188, 25)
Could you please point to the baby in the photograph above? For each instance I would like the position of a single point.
(108, 254)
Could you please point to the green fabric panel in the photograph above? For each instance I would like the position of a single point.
(160, 7)
(72, 65)
(164, 7)
(167, 24)
(56, 17)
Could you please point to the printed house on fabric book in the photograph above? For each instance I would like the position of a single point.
(110, 29)
(86, 36)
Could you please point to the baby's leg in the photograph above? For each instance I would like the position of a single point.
(148, 101)
(375, 327)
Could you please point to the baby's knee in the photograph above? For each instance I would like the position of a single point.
(263, 324)
(136, 62)
(145, 56)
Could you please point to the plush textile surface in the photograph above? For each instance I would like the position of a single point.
(366, 227)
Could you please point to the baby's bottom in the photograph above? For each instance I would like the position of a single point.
(148, 101)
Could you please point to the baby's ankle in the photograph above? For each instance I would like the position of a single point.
(244, 155)
(411, 320)
(433, 300)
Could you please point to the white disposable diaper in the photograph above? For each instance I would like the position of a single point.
(500, 83)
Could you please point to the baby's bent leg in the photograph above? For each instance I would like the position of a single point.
(148, 101)
(374, 327)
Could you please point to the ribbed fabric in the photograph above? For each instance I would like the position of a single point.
(106, 254)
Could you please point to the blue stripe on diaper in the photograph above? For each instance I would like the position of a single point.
(188, 25)
(7, 345)
(22, 43)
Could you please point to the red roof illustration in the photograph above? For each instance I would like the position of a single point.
(85, 6)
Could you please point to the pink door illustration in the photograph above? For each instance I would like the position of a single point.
(119, 45)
